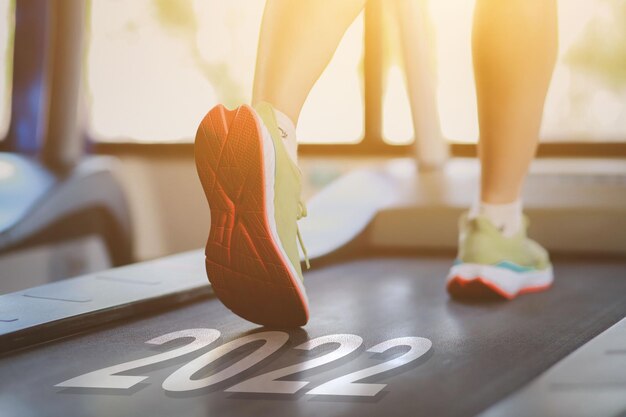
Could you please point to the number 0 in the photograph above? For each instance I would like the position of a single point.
(181, 380)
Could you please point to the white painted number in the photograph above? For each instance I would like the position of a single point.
(106, 378)
(347, 385)
(268, 384)
(181, 380)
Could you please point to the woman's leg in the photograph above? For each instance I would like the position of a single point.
(514, 51)
(246, 162)
(298, 39)
(514, 45)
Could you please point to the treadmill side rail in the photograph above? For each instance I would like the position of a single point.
(70, 306)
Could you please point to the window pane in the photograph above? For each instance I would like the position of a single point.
(155, 67)
(6, 62)
(587, 97)
(452, 21)
(397, 123)
(397, 126)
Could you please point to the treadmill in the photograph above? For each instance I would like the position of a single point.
(384, 339)
(384, 336)
(63, 213)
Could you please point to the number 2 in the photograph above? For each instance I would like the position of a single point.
(347, 385)
(106, 378)
(268, 384)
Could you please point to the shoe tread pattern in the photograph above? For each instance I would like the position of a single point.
(244, 265)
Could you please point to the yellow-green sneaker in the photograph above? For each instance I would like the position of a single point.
(490, 264)
(253, 190)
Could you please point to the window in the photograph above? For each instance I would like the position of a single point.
(155, 67)
(6, 55)
(587, 97)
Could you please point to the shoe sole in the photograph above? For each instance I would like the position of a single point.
(475, 281)
(245, 262)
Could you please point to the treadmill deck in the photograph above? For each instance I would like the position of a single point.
(466, 357)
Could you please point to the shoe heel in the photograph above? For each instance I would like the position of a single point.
(227, 149)
(244, 265)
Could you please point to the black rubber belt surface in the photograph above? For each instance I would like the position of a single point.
(481, 352)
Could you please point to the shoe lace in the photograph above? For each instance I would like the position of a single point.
(302, 213)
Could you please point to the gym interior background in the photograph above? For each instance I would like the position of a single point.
(151, 58)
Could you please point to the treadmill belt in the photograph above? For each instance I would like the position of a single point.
(432, 355)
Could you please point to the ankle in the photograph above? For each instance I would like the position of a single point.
(507, 217)
(287, 130)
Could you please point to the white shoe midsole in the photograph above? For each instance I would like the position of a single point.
(509, 281)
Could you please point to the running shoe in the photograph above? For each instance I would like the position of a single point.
(253, 190)
(491, 265)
